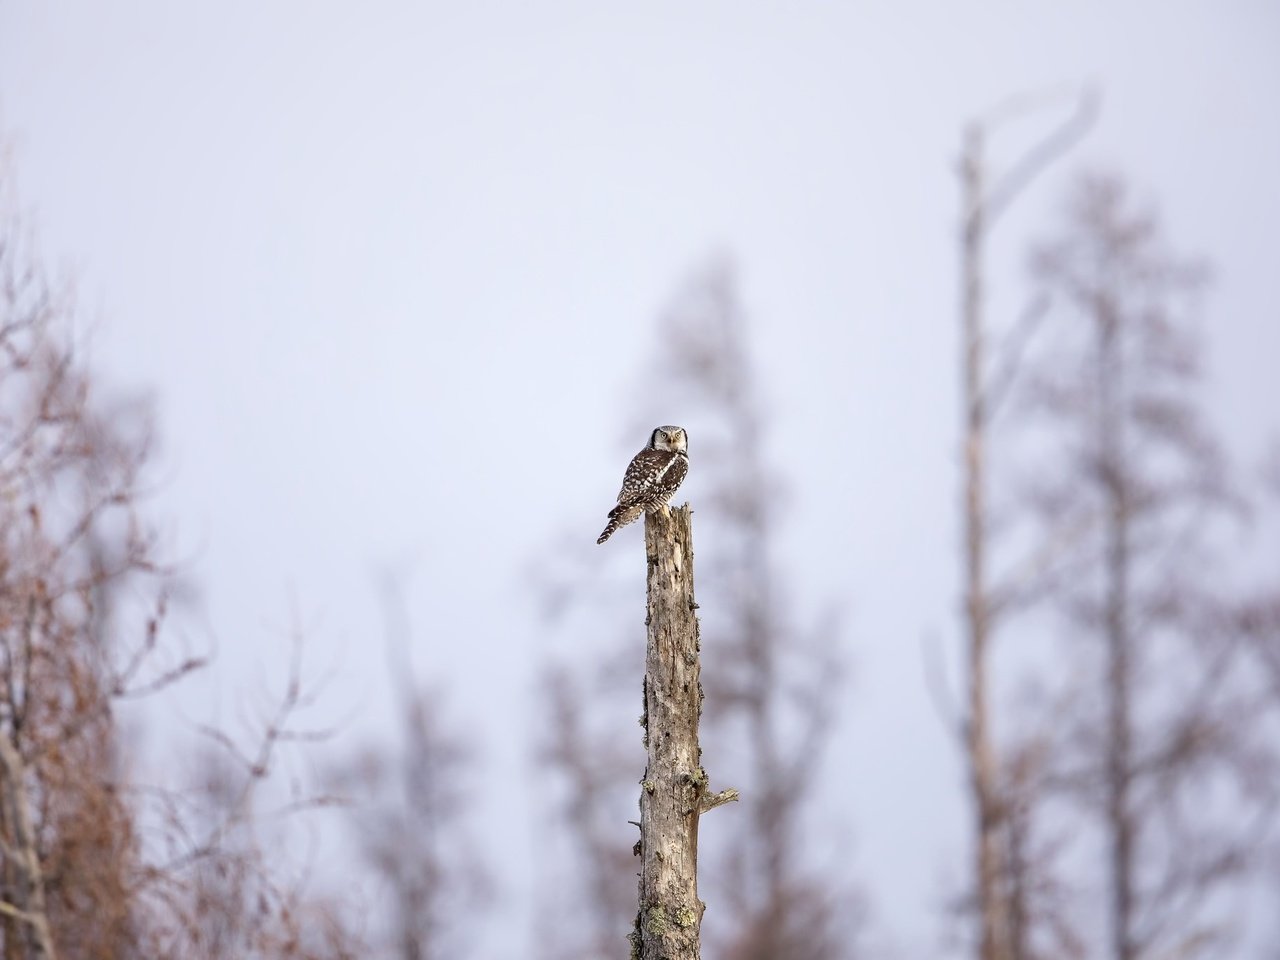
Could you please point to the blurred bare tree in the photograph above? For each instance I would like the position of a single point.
(82, 603)
(771, 686)
(407, 812)
(217, 886)
(1148, 727)
(596, 774)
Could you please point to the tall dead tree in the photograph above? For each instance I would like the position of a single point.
(674, 792)
(981, 205)
(979, 753)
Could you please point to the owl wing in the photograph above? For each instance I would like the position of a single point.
(642, 475)
(674, 476)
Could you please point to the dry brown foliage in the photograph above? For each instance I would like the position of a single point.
(82, 607)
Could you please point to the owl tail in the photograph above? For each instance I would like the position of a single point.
(620, 516)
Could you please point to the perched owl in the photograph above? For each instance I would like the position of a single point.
(652, 477)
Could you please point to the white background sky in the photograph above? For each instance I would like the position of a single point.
(390, 272)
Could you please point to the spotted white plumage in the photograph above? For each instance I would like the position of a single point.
(652, 478)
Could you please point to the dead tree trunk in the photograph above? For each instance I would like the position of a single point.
(674, 791)
(981, 756)
(982, 204)
(1119, 751)
(28, 906)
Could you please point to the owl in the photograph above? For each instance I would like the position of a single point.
(652, 477)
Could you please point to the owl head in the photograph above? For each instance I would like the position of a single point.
(669, 438)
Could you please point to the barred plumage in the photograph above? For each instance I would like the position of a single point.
(651, 479)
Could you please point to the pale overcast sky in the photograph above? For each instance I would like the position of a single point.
(390, 272)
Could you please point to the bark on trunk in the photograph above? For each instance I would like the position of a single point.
(673, 793)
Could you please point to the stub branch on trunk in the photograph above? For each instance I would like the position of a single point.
(674, 792)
